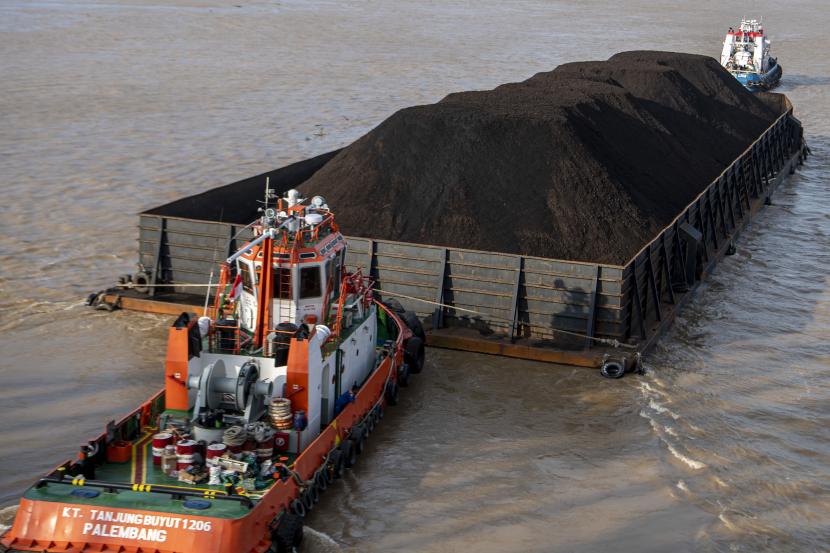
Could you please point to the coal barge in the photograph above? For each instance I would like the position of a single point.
(622, 277)
(268, 397)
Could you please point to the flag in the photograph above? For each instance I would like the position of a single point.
(236, 289)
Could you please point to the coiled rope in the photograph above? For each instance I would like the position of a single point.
(235, 435)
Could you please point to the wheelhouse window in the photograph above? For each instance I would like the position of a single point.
(333, 275)
(310, 285)
(247, 277)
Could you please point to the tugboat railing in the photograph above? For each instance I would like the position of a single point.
(177, 493)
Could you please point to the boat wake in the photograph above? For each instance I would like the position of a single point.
(664, 432)
(7, 517)
(315, 541)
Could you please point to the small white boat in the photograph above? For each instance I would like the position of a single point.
(746, 54)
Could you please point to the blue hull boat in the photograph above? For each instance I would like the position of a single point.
(761, 81)
(746, 54)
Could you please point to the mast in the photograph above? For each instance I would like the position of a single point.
(266, 290)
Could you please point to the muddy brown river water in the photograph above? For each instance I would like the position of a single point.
(111, 107)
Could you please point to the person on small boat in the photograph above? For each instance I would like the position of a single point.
(345, 398)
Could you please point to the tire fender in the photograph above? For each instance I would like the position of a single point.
(414, 354)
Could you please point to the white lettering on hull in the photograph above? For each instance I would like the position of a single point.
(133, 526)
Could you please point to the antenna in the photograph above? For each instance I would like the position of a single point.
(212, 268)
(267, 190)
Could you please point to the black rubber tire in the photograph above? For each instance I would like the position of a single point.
(141, 282)
(325, 478)
(308, 499)
(358, 439)
(379, 409)
(403, 375)
(394, 305)
(321, 481)
(336, 461)
(392, 393)
(414, 354)
(298, 508)
(414, 324)
(288, 534)
(612, 369)
(371, 421)
(314, 492)
(349, 454)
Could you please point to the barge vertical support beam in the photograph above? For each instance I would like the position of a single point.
(229, 251)
(722, 210)
(779, 151)
(665, 269)
(746, 174)
(735, 195)
(438, 314)
(745, 192)
(638, 303)
(701, 225)
(652, 284)
(678, 254)
(711, 219)
(514, 316)
(693, 238)
(373, 260)
(158, 263)
(756, 171)
(592, 310)
(770, 156)
(782, 144)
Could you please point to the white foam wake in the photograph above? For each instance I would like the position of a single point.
(691, 463)
(320, 541)
(662, 410)
(7, 517)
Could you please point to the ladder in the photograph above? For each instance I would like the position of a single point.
(284, 297)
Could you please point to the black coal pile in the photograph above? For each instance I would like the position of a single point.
(586, 162)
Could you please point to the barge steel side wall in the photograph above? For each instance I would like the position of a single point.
(515, 295)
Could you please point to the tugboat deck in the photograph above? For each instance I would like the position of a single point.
(141, 474)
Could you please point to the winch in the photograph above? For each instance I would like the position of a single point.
(219, 387)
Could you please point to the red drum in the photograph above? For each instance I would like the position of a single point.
(265, 449)
(249, 446)
(160, 442)
(186, 454)
(214, 452)
(281, 441)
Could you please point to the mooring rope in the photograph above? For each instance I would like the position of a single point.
(613, 342)
(167, 285)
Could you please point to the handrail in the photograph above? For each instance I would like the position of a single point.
(147, 488)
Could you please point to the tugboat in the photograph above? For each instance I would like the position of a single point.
(746, 54)
(267, 399)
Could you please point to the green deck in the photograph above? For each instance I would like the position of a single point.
(141, 470)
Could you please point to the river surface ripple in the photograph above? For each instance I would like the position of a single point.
(111, 107)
